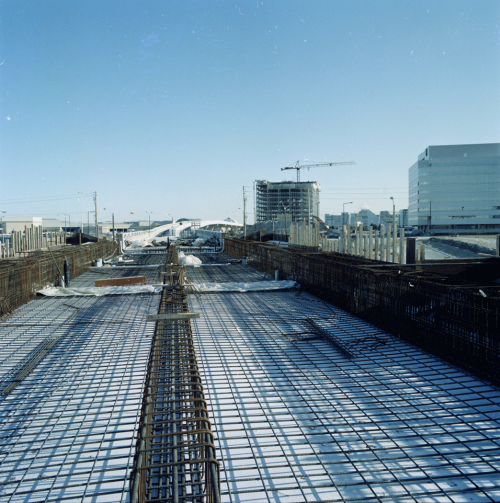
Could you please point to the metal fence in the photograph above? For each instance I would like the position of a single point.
(21, 278)
(460, 323)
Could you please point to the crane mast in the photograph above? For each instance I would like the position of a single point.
(299, 166)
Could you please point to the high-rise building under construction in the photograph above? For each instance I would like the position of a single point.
(297, 199)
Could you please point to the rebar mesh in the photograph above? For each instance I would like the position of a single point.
(20, 279)
(459, 324)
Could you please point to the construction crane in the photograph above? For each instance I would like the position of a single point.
(298, 166)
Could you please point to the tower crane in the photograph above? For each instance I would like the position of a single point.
(299, 166)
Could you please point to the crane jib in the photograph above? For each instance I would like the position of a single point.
(298, 166)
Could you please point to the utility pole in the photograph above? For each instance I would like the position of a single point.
(81, 217)
(244, 214)
(113, 221)
(254, 205)
(394, 230)
(96, 224)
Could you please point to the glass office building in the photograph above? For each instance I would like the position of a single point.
(455, 189)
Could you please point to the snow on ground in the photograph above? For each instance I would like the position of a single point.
(462, 246)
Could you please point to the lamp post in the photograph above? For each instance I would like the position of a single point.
(113, 222)
(393, 216)
(149, 213)
(343, 212)
(394, 230)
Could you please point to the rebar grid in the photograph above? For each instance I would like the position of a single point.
(296, 419)
(175, 457)
(67, 429)
(223, 273)
(20, 279)
(458, 324)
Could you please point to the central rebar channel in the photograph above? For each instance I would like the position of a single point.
(175, 459)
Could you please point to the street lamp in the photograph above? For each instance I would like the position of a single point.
(113, 222)
(149, 213)
(393, 215)
(343, 212)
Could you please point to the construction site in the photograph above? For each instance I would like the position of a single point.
(257, 374)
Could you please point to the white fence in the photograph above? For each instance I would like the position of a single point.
(381, 245)
(31, 239)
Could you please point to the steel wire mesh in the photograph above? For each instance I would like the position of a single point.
(458, 324)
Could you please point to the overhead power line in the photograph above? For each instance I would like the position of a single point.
(44, 199)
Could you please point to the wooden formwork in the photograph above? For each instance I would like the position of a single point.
(457, 322)
(20, 279)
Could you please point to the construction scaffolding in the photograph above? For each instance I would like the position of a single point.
(454, 321)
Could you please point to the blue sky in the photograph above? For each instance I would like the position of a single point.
(172, 107)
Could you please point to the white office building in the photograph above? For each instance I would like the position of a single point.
(336, 221)
(9, 224)
(386, 218)
(298, 199)
(455, 189)
(368, 218)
